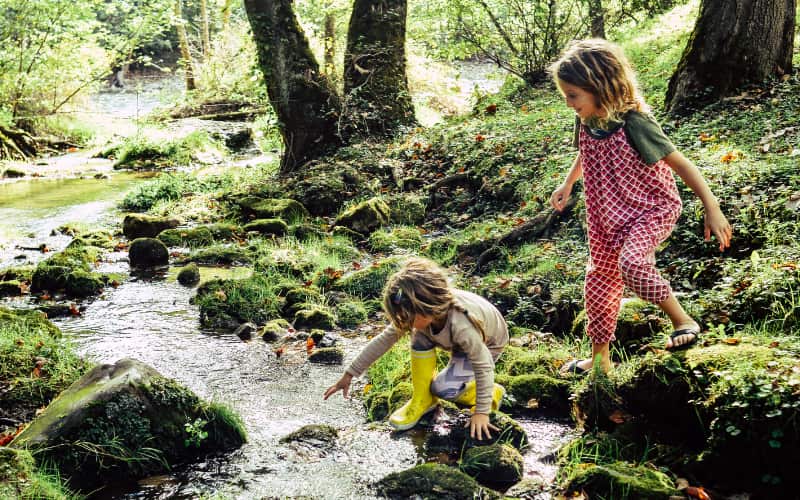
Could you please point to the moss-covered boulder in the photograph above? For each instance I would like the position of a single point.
(494, 464)
(70, 271)
(433, 481)
(100, 239)
(536, 390)
(407, 238)
(316, 317)
(222, 231)
(225, 304)
(270, 208)
(365, 217)
(19, 478)
(17, 273)
(126, 420)
(454, 436)
(324, 187)
(189, 275)
(327, 356)
(368, 282)
(319, 435)
(146, 226)
(637, 322)
(305, 232)
(10, 288)
(274, 330)
(147, 252)
(275, 227)
(350, 314)
(623, 481)
(82, 284)
(194, 237)
(408, 208)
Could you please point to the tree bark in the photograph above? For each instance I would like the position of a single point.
(330, 45)
(377, 100)
(183, 41)
(16, 144)
(735, 42)
(205, 29)
(306, 105)
(597, 19)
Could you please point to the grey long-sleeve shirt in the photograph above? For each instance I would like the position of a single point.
(458, 334)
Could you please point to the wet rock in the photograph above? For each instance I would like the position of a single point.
(328, 340)
(127, 405)
(365, 217)
(245, 331)
(377, 404)
(606, 481)
(99, 239)
(147, 252)
(12, 173)
(82, 284)
(327, 356)
(10, 288)
(195, 237)
(275, 227)
(528, 489)
(56, 310)
(270, 208)
(314, 434)
(495, 464)
(146, 226)
(189, 274)
(433, 481)
(454, 436)
(307, 319)
(274, 330)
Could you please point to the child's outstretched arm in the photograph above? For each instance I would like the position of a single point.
(715, 221)
(561, 194)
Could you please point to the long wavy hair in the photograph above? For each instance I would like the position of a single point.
(600, 67)
(421, 287)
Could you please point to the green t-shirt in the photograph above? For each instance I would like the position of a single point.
(642, 130)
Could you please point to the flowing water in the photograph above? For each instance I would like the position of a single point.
(150, 318)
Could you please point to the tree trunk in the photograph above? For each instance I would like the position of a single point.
(226, 14)
(183, 41)
(330, 45)
(597, 19)
(377, 100)
(16, 144)
(204, 26)
(734, 42)
(306, 105)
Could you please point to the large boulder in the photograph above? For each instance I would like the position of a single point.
(146, 226)
(495, 464)
(433, 481)
(148, 252)
(126, 420)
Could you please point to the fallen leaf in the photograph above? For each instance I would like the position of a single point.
(367, 388)
(279, 352)
(356, 265)
(491, 109)
(221, 295)
(36, 373)
(697, 492)
(774, 344)
(532, 404)
(114, 283)
(619, 417)
(310, 345)
(479, 138)
(502, 172)
(732, 341)
(73, 310)
(24, 288)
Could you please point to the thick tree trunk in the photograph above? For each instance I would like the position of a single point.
(183, 41)
(597, 19)
(377, 100)
(307, 106)
(734, 42)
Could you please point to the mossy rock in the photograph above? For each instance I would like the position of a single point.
(146, 226)
(493, 464)
(225, 304)
(365, 217)
(408, 208)
(300, 295)
(223, 231)
(548, 392)
(636, 323)
(324, 188)
(19, 478)
(13, 173)
(621, 480)
(319, 435)
(195, 237)
(275, 227)
(327, 356)
(82, 284)
(189, 275)
(147, 252)
(129, 408)
(368, 282)
(29, 320)
(377, 404)
(274, 330)
(99, 239)
(399, 395)
(270, 208)
(306, 319)
(523, 361)
(305, 232)
(454, 437)
(17, 273)
(350, 314)
(408, 238)
(54, 273)
(344, 232)
(10, 288)
(433, 481)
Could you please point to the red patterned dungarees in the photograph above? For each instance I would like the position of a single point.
(631, 207)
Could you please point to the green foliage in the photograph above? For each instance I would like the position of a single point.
(146, 152)
(195, 432)
(253, 299)
(20, 478)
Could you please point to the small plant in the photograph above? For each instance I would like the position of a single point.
(195, 432)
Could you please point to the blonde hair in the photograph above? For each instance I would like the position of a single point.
(421, 287)
(600, 67)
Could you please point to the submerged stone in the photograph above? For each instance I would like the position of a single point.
(433, 481)
(146, 226)
(245, 331)
(496, 463)
(319, 435)
(454, 436)
(148, 252)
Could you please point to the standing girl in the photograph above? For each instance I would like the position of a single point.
(632, 201)
(418, 299)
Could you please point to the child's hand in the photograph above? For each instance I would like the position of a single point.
(718, 225)
(343, 384)
(560, 196)
(479, 424)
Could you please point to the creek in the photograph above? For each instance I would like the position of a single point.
(150, 318)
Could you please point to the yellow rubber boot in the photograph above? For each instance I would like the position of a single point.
(423, 369)
(469, 394)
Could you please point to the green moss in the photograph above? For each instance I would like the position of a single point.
(141, 152)
(267, 226)
(189, 274)
(408, 238)
(350, 314)
(408, 208)
(433, 481)
(19, 478)
(252, 299)
(369, 282)
(400, 394)
(194, 237)
(496, 463)
(365, 217)
(622, 481)
(317, 317)
(314, 432)
(219, 254)
(547, 391)
(18, 273)
(282, 208)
